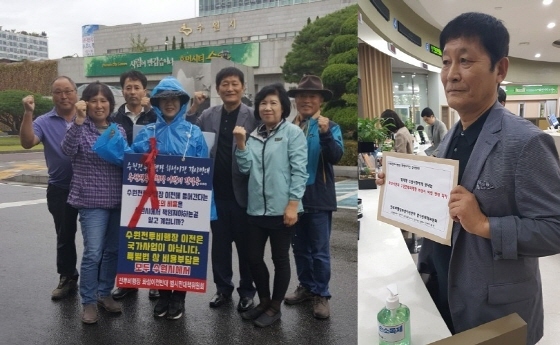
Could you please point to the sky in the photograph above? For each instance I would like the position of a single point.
(63, 20)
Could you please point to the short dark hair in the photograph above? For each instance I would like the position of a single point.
(501, 95)
(392, 119)
(99, 88)
(427, 112)
(488, 30)
(229, 72)
(134, 75)
(273, 89)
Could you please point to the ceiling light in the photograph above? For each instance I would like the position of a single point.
(551, 25)
(547, 2)
(402, 76)
(538, 55)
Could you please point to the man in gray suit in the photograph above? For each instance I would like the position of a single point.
(230, 187)
(436, 131)
(506, 208)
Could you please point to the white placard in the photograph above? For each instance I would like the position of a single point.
(416, 193)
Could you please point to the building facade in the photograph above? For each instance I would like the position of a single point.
(260, 38)
(214, 7)
(23, 45)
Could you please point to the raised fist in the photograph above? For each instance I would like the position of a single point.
(145, 103)
(81, 112)
(240, 135)
(323, 124)
(28, 103)
(199, 97)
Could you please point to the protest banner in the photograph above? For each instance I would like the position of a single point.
(167, 248)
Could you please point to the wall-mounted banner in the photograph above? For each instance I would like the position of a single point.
(531, 89)
(161, 62)
(88, 39)
(168, 249)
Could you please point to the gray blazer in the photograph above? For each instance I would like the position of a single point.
(436, 132)
(514, 172)
(209, 121)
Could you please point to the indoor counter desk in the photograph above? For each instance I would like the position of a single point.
(383, 259)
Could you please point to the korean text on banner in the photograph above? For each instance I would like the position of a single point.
(168, 249)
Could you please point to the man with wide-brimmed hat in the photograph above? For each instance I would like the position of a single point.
(311, 242)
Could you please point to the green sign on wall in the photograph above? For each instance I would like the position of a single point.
(162, 62)
(531, 89)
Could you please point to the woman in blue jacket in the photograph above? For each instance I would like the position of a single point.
(275, 157)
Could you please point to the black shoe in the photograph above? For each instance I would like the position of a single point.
(175, 309)
(218, 300)
(65, 286)
(252, 314)
(265, 320)
(245, 303)
(122, 292)
(153, 294)
(162, 306)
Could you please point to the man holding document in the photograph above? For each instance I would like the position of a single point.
(505, 208)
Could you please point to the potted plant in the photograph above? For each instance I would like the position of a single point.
(372, 134)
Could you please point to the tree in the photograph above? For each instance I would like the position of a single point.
(182, 46)
(173, 44)
(138, 45)
(11, 109)
(312, 45)
(328, 47)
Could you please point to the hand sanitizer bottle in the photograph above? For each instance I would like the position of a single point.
(394, 320)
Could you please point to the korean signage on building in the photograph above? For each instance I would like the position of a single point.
(162, 62)
(168, 247)
(531, 89)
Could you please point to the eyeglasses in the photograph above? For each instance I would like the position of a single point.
(65, 92)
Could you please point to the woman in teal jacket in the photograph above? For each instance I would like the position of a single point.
(275, 157)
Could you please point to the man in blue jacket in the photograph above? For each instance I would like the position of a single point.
(311, 242)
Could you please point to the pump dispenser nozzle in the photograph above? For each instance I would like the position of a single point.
(392, 301)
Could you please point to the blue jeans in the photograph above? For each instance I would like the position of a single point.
(100, 230)
(311, 246)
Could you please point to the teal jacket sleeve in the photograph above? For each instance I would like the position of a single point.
(331, 144)
(297, 153)
(244, 159)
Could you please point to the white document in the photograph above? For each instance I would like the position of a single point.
(416, 193)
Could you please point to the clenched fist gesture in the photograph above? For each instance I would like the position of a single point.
(240, 134)
(145, 103)
(28, 104)
(81, 111)
(323, 124)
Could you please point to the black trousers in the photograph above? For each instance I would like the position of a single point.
(65, 218)
(230, 227)
(280, 241)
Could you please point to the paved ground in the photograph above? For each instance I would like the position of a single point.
(27, 276)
